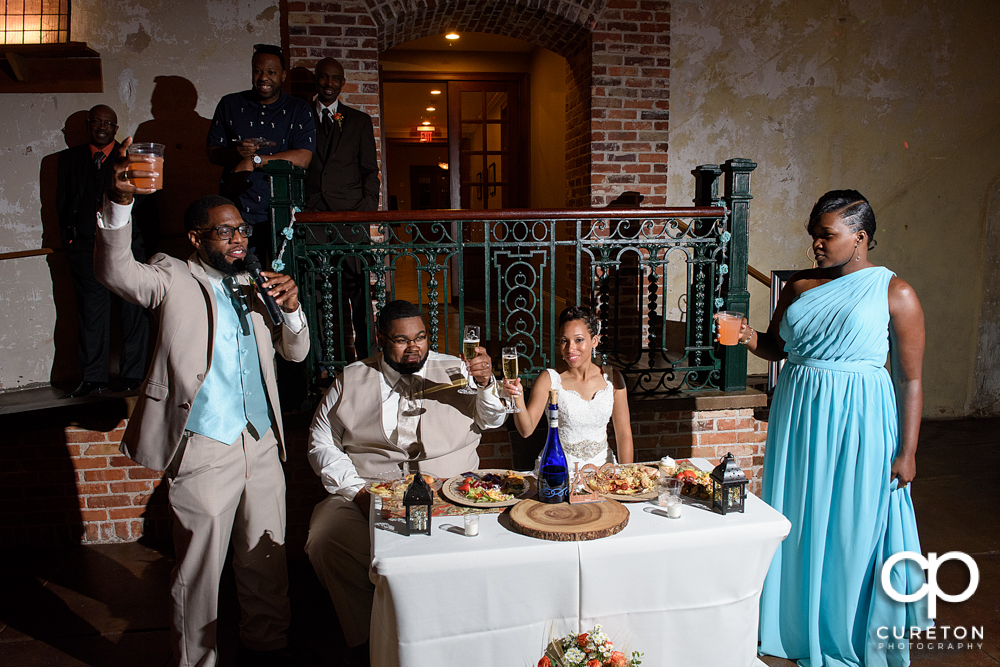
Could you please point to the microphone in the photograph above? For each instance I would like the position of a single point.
(273, 309)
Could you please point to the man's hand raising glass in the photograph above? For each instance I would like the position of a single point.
(123, 186)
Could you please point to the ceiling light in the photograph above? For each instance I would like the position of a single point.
(435, 92)
(451, 35)
(426, 122)
(431, 109)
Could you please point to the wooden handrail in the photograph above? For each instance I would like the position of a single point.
(759, 275)
(25, 253)
(435, 215)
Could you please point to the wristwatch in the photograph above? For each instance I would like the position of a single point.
(257, 160)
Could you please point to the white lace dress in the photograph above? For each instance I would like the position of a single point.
(583, 425)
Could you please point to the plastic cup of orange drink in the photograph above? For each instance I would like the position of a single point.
(156, 151)
(729, 327)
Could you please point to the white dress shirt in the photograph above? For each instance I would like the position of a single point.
(326, 454)
(333, 108)
(116, 216)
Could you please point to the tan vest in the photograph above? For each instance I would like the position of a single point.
(447, 435)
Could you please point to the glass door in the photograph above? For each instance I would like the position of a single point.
(484, 130)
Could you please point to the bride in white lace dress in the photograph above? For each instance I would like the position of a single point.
(589, 396)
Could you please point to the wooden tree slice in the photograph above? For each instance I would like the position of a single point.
(563, 522)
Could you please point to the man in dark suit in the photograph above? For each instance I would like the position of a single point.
(84, 174)
(343, 176)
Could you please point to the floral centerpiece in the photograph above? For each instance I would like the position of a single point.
(587, 649)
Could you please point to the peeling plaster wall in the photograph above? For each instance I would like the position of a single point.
(201, 51)
(895, 98)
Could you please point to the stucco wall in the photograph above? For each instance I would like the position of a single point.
(166, 64)
(894, 98)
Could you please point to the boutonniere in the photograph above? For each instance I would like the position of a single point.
(339, 117)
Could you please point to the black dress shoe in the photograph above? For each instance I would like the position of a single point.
(87, 388)
(125, 384)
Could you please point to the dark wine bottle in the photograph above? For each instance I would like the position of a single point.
(553, 473)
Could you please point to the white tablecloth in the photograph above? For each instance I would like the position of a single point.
(683, 591)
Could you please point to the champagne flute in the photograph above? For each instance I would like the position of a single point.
(509, 359)
(470, 341)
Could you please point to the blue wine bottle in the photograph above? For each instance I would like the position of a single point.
(553, 473)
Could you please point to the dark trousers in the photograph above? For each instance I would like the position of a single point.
(93, 307)
(357, 293)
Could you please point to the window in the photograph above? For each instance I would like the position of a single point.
(34, 21)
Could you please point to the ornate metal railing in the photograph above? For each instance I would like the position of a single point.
(655, 277)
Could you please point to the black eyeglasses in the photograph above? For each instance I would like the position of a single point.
(225, 233)
(101, 123)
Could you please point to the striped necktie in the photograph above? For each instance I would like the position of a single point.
(239, 303)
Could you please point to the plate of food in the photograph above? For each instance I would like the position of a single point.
(392, 485)
(492, 487)
(697, 482)
(629, 482)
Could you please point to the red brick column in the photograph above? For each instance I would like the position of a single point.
(341, 30)
(630, 101)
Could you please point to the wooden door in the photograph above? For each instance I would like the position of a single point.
(485, 127)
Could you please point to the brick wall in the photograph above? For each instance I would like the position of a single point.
(618, 72)
(63, 481)
(113, 490)
(630, 101)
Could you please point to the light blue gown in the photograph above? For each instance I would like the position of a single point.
(832, 436)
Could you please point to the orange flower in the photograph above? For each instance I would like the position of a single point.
(593, 663)
(617, 659)
(582, 640)
(545, 662)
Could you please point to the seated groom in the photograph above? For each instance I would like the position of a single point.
(401, 406)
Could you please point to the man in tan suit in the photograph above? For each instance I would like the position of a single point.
(400, 408)
(208, 414)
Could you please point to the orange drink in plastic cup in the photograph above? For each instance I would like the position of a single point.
(729, 327)
(155, 150)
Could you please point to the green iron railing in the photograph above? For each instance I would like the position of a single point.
(512, 271)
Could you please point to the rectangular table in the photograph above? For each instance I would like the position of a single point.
(683, 591)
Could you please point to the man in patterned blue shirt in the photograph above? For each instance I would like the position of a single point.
(255, 126)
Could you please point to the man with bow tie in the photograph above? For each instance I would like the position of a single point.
(343, 176)
(208, 414)
(400, 409)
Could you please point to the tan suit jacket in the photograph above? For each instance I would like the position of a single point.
(183, 302)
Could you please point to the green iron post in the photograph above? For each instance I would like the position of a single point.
(737, 297)
(701, 326)
(287, 185)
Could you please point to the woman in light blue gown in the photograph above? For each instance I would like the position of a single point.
(840, 455)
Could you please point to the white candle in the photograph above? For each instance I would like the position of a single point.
(471, 525)
(674, 509)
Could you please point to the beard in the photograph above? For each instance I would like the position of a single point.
(217, 260)
(406, 369)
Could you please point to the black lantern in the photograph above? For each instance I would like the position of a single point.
(418, 501)
(728, 486)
